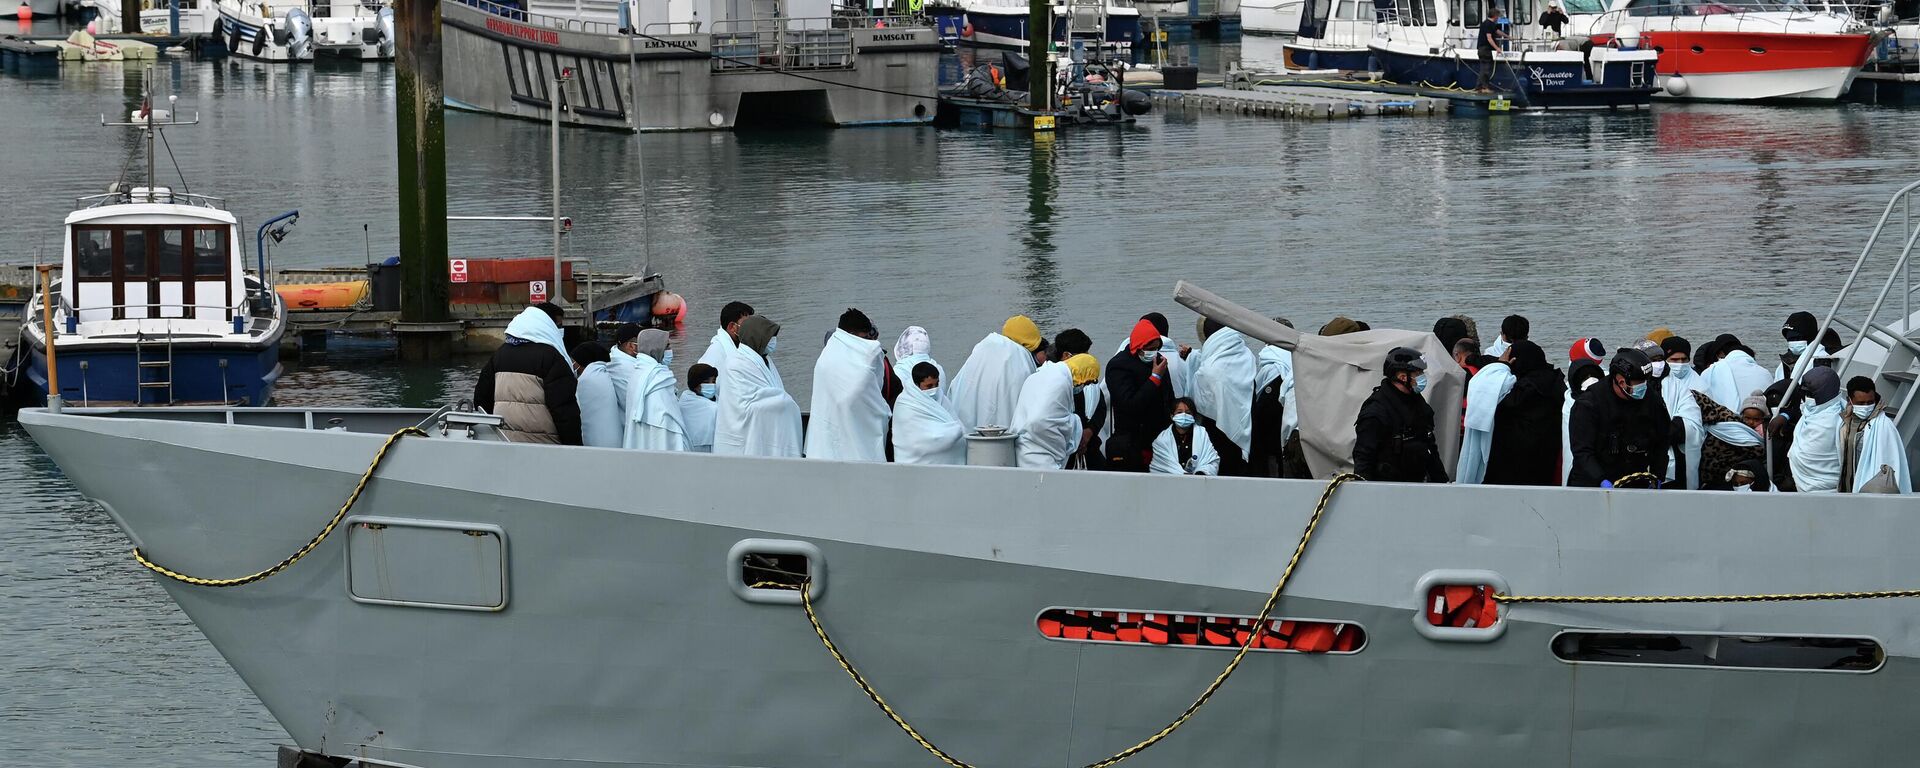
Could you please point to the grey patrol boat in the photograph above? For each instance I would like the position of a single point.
(486, 603)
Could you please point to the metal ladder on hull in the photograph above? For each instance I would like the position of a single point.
(1897, 375)
(161, 366)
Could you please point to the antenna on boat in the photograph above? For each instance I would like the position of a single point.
(152, 119)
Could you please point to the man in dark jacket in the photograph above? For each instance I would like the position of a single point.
(1142, 395)
(1526, 426)
(1619, 426)
(1393, 434)
(1089, 402)
(530, 382)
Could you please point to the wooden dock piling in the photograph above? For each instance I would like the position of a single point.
(426, 326)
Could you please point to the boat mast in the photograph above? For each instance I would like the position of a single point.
(152, 126)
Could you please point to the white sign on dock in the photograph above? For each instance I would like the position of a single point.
(536, 291)
(457, 271)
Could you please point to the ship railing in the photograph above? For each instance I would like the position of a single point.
(1890, 246)
(519, 13)
(163, 197)
(672, 28)
(813, 43)
(1707, 16)
(67, 317)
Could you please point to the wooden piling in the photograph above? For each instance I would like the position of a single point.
(421, 136)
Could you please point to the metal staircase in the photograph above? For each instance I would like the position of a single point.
(1885, 349)
(155, 355)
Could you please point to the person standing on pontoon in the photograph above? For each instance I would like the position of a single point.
(1488, 41)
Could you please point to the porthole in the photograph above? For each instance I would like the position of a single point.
(1459, 606)
(771, 571)
(1757, 50)
(1149, 628)
(1698, 49)
(1802, 653)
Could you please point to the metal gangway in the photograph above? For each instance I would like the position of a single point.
(1885, 349)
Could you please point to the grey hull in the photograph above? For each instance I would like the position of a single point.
(621, 641)
(504, 65)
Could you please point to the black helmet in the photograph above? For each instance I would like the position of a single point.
(1404, 359)
(1631, 363)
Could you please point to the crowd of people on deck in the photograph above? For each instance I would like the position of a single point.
(1657, 412)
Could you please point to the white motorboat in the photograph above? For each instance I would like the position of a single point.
(1431, 43)
(350, 29)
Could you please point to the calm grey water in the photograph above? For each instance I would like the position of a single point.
(1702, 218)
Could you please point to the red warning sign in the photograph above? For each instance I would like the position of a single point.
(536, 291)
(457, 270)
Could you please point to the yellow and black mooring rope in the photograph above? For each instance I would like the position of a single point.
(365, 478)
(1260, 624)
(1781, 597)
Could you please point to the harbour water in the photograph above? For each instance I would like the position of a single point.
(1704, 218)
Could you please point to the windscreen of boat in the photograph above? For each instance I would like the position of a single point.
(1707, 7)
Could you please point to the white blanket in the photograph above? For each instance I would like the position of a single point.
(1223, 379)
(653, 418)
(1880, 446)
(1815, 454)
(602, 419)
(1166, 455)
(1484, 392)
(698, 413)
(924, 431)
(1276, 362)
(756, 415)
(717, 349)
(1728, 382)
(1678, 394)
(1044, 419)
(847, 420)
(988, 385)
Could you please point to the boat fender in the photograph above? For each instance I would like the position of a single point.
(966, 29)
(1676, 85)
(1627, 38)
(25, 14)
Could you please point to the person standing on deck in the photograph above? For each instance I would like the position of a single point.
(602, 420)
(1554, 20)
(1044, 418)
(1688, 428)
(1872, 457)
(924, 431)
(756, 415)
(1526, 424)
(1179, 373)
(1090, 402)
(1512, 329)
(727, 336)
(1141, 389)
(653, 419)
(849, 414)
(529, 382)
(1223, 379)
(697, 406)
(1815, 454)
(1488, 41)
(985, 389)
(1618, 426)
(1274, 416)
(914, 347)
(1393, 433)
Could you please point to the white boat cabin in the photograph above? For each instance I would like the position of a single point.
(159, 262)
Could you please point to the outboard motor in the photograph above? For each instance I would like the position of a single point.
(388, 39)
(299, 34)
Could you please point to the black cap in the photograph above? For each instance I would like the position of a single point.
(1631, 363)
(1404, 359)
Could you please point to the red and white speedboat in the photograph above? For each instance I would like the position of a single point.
(1737, 50)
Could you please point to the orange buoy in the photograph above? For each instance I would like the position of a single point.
(669, 305)
(25, 14)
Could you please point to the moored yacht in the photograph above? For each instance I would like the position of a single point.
(1431, 43)
(153, 304)
(1003, 23)
(1272, 17)
(1335, 34)
(1737, 50)
(195, 17)
(266, 31)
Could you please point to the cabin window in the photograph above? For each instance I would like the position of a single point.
(171, 256)
(209, 251)
(1346, 10)
(1650, 8)
(93, 253)
(133, 252)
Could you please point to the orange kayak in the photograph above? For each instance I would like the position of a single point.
(342, 295)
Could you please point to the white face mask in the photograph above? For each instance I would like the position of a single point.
(1147, 355)
(1659, 368)
(1863, 411)
(1748, 487)
(1796, 347)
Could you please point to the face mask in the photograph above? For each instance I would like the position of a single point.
(1748, 487)
(1079, 388)
(1638, 391)
(1682, 371)
(770, 344)
(1419, 383)
(666, 358)
(1147, 355)
(709, 390)
(1796, 347)
(1183, 420)
(1659, 368)
(1863, 411)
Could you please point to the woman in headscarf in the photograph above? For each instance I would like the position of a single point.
(654, 422)
(757, 417)
(1734, 438)
(1526, 425)
(1184, 448)
(914, 347)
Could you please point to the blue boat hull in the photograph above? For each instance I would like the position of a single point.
(1010, 31)
(1546, 85)
(109, 374)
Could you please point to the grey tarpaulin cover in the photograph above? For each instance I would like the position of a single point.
(1333, 375)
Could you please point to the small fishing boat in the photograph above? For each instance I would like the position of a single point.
(1430, 43)
(1738, 50)
(153, 304)
(259, 30)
